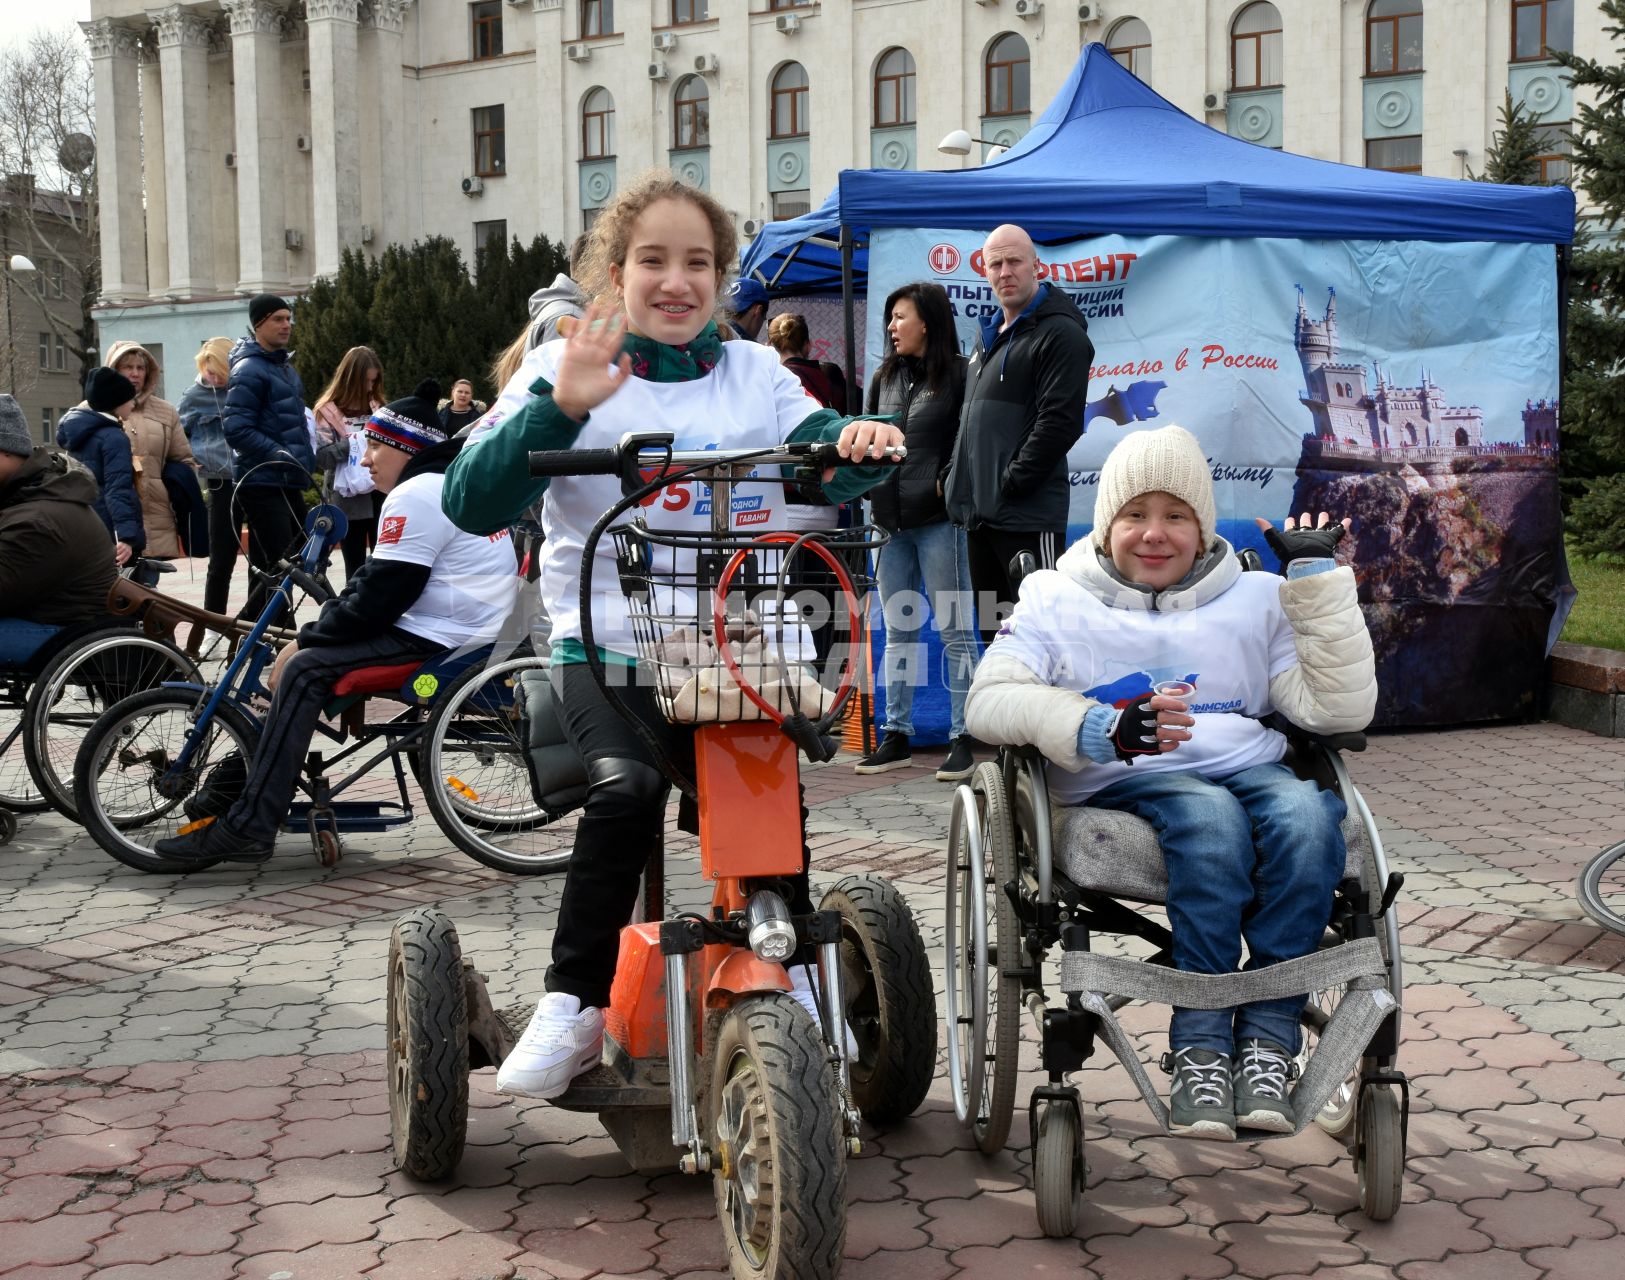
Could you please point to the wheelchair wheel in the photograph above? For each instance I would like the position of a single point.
(982, 933)
(127, 788)
(18, 791)
(427, 1031)
(475, 777)
(886, 981)
(1379, 1153)
(1601, 888)
(1057, 1167)
(1337, 1114)
(75, 688)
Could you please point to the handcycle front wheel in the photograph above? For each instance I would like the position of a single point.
(129, 794)
(475, 777)
(427, 1030)
(76, 687)
(1601, 888)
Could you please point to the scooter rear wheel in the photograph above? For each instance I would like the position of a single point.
(778, 1155)
(427, 1045)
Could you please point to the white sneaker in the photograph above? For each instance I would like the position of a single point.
(561, 1042)
(803, 990)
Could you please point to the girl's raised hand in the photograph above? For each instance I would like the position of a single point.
(593, 366)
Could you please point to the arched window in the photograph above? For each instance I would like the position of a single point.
(1007, 86)
(597, 125)
(1393, 37)
(1130, 43)
(1255, 48)
(788, 102)
(894, 88)
(691, 114)
(1539, 26)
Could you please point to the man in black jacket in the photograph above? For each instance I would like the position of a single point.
(426, 587)
(1024, 405)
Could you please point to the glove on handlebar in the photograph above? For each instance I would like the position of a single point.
(1136, 731)
(1304, 544)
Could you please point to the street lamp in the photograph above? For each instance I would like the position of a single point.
(16, 265)
(959, 143)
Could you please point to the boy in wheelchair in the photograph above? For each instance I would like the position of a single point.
(426, 587)
(1140, 666)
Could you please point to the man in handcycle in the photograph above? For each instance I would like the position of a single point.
(1140, 666)
(426, 587)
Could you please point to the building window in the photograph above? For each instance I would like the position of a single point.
(491, 237)
(791, 204)
(786, 4)
(588, 217)
(1539, 26)
(597, 18)
(56, 278)
(61, 354)
(1557, 146)
(597, 125)
(788, 105)
(1393, 37)
(685, 11)
(1006, 84)
(894, 88)
(45, 422)
(1397, 155)
(1129, 42)
(691, 114)
(44, 351)
(490, 151)
(486, 36)
(1255, 48)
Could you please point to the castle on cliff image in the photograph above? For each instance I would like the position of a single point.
(1389, 421)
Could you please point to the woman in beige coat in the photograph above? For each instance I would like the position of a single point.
(156, 439)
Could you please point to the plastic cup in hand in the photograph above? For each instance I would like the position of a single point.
(1181, 689)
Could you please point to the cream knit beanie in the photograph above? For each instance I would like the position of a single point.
(1167, 460)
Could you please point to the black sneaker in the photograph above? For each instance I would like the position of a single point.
(892, 753)
(213, 842)
(222, 787)
(960, 762)
(1262, 1073)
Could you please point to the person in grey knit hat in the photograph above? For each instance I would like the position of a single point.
(14, 437)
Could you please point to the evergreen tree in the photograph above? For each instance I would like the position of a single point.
(1593, 401)
(1511, 157)
(331, 318)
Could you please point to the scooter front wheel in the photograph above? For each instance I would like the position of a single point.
(778, 1156)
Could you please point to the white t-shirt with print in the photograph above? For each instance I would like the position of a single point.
(472, 577)
(1230, 648)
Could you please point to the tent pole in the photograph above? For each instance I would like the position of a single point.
(1564, 266)
(865, 708)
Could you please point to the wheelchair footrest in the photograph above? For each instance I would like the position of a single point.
(351, 815)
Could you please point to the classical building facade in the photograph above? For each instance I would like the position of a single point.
(245, 143)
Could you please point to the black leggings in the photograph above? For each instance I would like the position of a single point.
(224, 544)
(618, 829)
(276, 527)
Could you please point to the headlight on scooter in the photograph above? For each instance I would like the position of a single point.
(767, 920)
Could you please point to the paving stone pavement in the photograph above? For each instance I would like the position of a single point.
(192, 1080)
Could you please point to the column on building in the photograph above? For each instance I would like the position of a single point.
(183, 58)
(256, 57)
(557, 182)
(384, 37)
(155, 185)
(113, 50)
(334, 127)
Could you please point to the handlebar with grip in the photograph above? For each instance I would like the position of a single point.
(575, 462)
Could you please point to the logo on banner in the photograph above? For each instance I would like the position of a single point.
(943, 259)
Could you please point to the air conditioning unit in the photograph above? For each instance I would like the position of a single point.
(231, 159)
(751, 227)
(474, 186)
(787, 24)
(657, 70)
(302, 142)
(1029, 8)
(1212, 101)
(578, 52)
(1090, 13)
(366, 234)
(707, 64)
(665, 41)
(293, 238)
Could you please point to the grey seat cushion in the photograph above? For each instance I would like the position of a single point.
(1118, 854)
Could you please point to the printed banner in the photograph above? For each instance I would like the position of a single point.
(1411, 386)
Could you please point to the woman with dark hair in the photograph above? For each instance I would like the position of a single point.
(342, 410)
(922, 381)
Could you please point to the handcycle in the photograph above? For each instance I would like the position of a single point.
(709, 1066)
(156, 763)
(1024, 878)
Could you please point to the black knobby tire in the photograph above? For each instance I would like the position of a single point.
(1602, 895)
(73, 691)
(771, 1113)
(427, 1032)
(8, 826)
(497, 820)
(125, 822)
(1003, 1046)
(1057, 1159)
(890, 1006)
(1379, 1157)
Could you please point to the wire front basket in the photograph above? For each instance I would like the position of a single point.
(748, 627)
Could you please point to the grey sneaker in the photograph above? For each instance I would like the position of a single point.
(960, 763)
(892, 753)
(1201, 1103)
(1262, 1073)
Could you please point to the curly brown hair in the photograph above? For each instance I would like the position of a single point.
(611, 234)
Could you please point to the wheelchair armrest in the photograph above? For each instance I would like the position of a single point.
(1299, 736)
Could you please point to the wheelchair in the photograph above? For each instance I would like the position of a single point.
(1024, 878)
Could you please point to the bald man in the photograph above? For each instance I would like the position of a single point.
(1024, 404)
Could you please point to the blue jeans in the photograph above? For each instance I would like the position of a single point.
(1256, 855)
(21, 640)
(920, 565)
